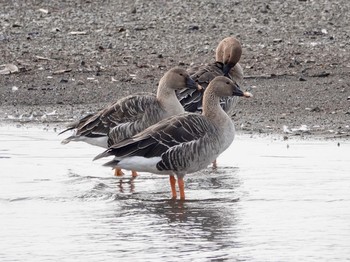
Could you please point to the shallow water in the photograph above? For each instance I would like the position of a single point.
(269, 200)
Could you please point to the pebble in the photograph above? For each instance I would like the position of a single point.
(193, 27)
(316, 109)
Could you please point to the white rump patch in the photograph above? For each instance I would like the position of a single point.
(141, 164)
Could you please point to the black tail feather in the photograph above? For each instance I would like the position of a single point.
(113, 163)
(77, 123)
(65, 130)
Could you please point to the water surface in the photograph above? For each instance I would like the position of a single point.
(269, 200)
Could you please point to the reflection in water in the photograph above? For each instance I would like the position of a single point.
(126, 185)
(211, 220)
(281, 204)
(208, 220)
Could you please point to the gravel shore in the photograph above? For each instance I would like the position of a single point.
(63, 59)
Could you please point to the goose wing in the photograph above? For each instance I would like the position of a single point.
(77, 124)
(191, 99)
(156, 140)
(127, 109)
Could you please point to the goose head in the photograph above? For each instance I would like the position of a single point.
(228, 53)
(222, 87)
(177, 79)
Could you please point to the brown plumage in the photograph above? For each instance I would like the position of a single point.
(227, 55)
(183, 143)
(132, 114)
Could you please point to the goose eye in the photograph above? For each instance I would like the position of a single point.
(227, 83)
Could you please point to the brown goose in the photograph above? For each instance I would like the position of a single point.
(228, 53)
(132, 114)
(181, 144)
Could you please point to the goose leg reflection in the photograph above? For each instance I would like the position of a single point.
(215, 166)
(130, 182)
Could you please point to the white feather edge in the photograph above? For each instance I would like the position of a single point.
(95, 141)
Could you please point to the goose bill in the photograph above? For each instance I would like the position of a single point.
(190, 83)
(247, 94)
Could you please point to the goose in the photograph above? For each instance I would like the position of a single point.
(132, 114)
(181, 144)
(227, 55)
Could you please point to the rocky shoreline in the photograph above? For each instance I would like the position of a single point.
(75, 57)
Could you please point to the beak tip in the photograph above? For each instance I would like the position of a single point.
(247, 94)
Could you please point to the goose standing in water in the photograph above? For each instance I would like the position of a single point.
(132, 114)
(181, 144)
(227, 56)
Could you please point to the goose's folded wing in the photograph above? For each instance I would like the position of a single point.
(191, 99)
(157, 139)
(207, 73)
(127, 109)
(151, 114)
(77, 124)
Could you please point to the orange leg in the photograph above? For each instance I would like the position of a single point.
(181, 184)
(118, 172)
(173, 184)
(215, 166)
(134, 173)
